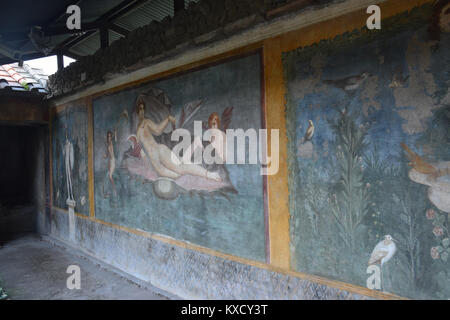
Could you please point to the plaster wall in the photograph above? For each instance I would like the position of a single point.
(193, 270)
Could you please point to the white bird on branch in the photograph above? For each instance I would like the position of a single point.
(382, 253)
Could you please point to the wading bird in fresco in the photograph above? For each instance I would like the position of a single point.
(382, 253)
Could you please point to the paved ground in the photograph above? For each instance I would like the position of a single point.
(32, 268)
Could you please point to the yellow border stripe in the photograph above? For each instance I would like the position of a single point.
(277, 187)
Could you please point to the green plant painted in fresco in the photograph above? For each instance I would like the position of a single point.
(377, 196)
(350, 204)
(315, 196)
(409, 233)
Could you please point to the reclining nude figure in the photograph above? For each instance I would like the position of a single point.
(164, 161)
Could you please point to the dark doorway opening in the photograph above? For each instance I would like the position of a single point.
(22, 179)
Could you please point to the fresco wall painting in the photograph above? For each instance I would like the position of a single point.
(368, 120)
(139, 185)
(70, 157)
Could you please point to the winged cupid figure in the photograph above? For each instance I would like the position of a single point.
(214, 122)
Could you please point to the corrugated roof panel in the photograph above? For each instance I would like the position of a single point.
(151, 10)
(113, 36)
(92, 10)
(91, 44)
(136, 18)
(143, 15)
(88, 46)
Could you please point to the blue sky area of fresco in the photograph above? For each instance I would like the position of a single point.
(383, 121)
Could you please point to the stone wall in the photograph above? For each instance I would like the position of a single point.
(21, 109)
(184, 272)
(201, 23)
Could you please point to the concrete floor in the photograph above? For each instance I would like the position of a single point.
(35, 268)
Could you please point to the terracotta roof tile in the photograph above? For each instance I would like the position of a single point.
(15, 78)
